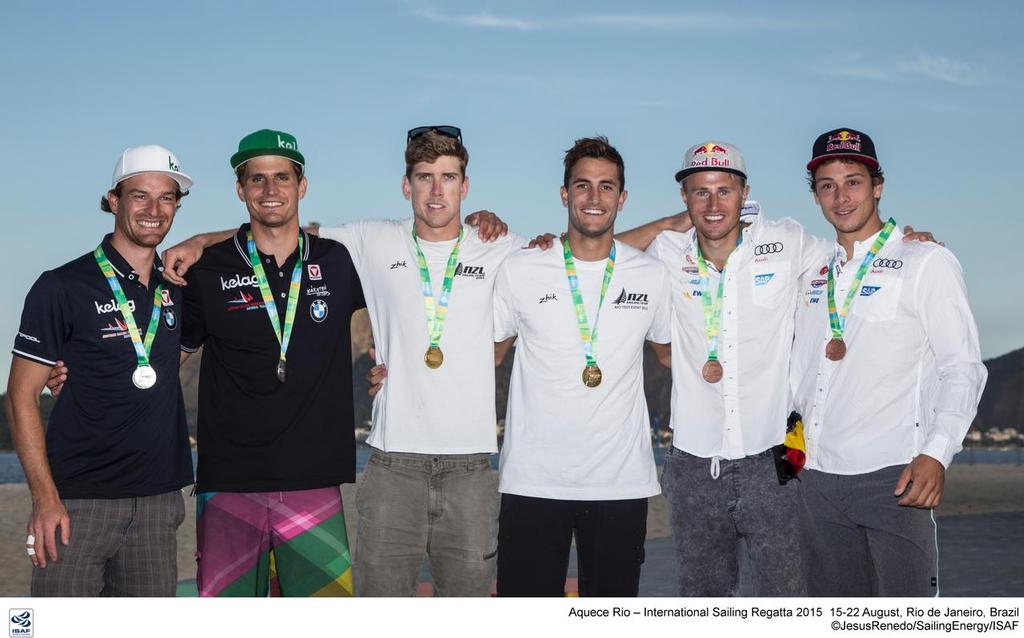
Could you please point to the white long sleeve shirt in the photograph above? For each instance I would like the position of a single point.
(912, 375)
(745, 413)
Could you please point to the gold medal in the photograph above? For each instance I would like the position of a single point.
(433, 357)
(712, 371)
(591, 376)
(835, 349)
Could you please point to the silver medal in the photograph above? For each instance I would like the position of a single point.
(144, 377)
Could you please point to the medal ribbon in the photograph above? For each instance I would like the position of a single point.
(712, 308)
(586, 336)
(436, 312)
(283, 336)
(837, 320)
(142, 348)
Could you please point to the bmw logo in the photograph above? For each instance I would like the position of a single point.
(318, 310)
(170, 320)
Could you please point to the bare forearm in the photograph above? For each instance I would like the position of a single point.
(642, 236)
(30, 444)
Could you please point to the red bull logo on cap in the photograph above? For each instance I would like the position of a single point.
(710, 147)
(712, 156)
(843, 141)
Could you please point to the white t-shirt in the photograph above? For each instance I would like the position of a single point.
(564, 440)
(744, 413)
(449, 410)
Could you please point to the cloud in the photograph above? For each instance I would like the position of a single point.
(653, 22)
(914, 65)
(481, 20)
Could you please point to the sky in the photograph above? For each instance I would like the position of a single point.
(937, 85)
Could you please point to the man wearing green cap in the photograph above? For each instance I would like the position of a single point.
(272, 306)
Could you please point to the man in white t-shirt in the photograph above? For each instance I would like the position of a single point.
(887, 372)
(577, 459)
(428, 489)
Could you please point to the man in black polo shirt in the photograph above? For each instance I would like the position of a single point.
(272, 307)
(106, 476)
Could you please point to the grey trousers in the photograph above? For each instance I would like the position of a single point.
(860, 542)
(444, 507)
(119, 547)
(710, 517)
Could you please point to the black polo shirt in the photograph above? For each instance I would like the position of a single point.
(106, 438)
(257, 434)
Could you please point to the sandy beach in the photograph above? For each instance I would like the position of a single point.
(970, 489)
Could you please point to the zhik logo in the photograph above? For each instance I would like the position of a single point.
(548, 297)
(20, 622)
(398, 264)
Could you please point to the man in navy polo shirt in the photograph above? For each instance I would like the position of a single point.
(107, 473)
(272, 306)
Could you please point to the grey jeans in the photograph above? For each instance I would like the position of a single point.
(444, 507)
(710, 517)
(861, 542)
(119, 547)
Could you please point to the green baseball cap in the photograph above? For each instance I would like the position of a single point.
(267, 142)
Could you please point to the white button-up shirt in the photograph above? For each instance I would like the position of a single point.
(745, 413)
(912, 375)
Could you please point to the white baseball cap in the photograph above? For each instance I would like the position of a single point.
(150, 158)
(712, 156)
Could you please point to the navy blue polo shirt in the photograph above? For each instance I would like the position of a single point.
(255, 433)
(105, 437)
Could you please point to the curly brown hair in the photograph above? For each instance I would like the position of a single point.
(432, 145)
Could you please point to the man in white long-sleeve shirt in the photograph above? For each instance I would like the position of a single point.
(887, 373)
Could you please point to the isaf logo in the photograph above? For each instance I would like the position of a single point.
(20, 622)
(631, 300)
(476, 272)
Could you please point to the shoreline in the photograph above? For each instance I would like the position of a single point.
(970, 489)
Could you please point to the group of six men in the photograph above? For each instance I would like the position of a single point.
(869, 337)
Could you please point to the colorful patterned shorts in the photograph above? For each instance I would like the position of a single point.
(292, 543)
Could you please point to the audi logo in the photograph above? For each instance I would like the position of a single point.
(895, 264)
(767, 249)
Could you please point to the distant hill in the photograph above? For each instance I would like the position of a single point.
(1002, 404)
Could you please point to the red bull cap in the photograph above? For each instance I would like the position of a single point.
(843, 143)
(712, 156)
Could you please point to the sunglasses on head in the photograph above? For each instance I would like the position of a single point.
(448, 131)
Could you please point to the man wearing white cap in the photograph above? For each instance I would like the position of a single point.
(734, 293)
(106, 475)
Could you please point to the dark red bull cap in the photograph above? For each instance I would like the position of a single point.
(843, 143)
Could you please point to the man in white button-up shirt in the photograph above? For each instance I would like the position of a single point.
(720, 477)
(888, 378)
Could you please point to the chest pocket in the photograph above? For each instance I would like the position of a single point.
(879, 298)
(770, 283)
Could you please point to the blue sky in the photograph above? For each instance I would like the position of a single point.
(936, 84)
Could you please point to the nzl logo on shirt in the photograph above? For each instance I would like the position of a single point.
(762, 280)
(867, 291)
(476, 272)
(20, 622)
(631, 300)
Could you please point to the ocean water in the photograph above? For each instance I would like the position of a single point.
(10, 468)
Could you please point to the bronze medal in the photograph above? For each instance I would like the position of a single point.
(835, 349)
(712, 371)
(433, 357)
(591, 376)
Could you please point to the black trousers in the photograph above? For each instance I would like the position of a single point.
(535, 534)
